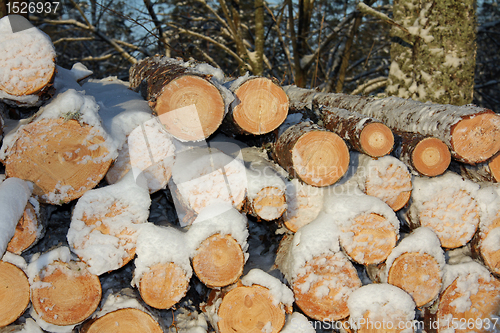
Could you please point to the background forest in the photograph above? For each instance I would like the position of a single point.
(326, 44)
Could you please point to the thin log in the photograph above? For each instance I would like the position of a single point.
(188, 102)
(260, 106)
(15, 291)
(312, 154)
(470, 132)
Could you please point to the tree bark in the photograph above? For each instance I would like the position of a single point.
(436, 61)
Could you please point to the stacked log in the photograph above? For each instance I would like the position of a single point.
(14, 288)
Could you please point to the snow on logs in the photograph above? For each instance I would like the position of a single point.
(320, 275)
(386, 178)
(68, 149)
(447, 205)
(14, 288)
(142, 142)
(257, 303)
(122, 312)
(55, 275)
(27, 61)
(469, 301)
(314, 155)
(105, 222)
(29, 229)
(426, 156)
(187, 98)
(260, 106)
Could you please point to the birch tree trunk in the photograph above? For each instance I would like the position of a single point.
(435, 61)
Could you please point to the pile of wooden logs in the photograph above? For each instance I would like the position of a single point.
(375, 221)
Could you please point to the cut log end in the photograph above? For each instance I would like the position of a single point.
(408, 273)
(431, 157)
(469, 300)
(52, 303)
(320, 158)
(61, 169)
(370, 239)
(14, 293)
(454, 219)
(481, 245)
(494, 166)
(163, 285)
(262, 107)
(334, 279)
(250, 310)
(396, 322)
(477, 138)
(270, 203)
(191, 108)
(124, 321)
(219, 261)
(26, 231)
(393, 187)
(376, 139)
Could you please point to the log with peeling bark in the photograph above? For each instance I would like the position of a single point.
(364, 134)
(447, 204)
(320, 275)
(260, 106)
(122, 312)
(187, 100)
(386, 178)
(15, 291)
(369, 228)
(105, 223)
(162, 273)
(426, 156)
(470, 132)
(381, 308)
(27, 62)
(144, 146)
(469, 302)
(53, 277)
(316, 156)
(68, 150)
(257, 303)
(488, 171)
(266, 192)
(203, 176)
(403, 267)
(218, 241)
(30, 228)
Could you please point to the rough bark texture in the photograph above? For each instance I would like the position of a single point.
(436, 61)
(483, 172)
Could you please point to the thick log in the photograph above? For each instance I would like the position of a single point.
(368, 227)
(122, 312)
(260, 106)
(470, 132)
(30, 228)
(162, 273)
(469, 302)
(14, 291)
(143, 143)
(447, 205)
(189, 103)
(386, 178)
(315, 156)
(381, 308)
(426, 156)
(27, 62)
(105, 222)
(53, 277)
(403, 267)
(322, 278)
(364, 134)
(304, 202)
(218, 238)
(68, 150)
(257, 303)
